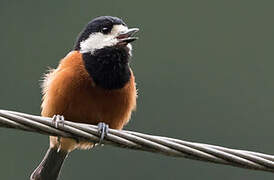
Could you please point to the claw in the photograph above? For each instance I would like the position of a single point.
(103, 131)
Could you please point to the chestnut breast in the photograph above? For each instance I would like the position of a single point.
(71, 92)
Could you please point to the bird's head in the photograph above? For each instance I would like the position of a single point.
(103, 32)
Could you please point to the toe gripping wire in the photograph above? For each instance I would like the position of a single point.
(57, 121)
(101, 134)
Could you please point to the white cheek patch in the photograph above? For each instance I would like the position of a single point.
(99, 40)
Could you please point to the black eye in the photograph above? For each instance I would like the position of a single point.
(105, 30)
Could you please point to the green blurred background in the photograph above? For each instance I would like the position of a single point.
(204, 70)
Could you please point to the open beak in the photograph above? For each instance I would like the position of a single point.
(126, 37)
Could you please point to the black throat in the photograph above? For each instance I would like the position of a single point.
(108, 67)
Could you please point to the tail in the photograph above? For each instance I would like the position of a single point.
(50, 166)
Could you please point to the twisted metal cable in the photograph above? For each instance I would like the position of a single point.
(139, 141)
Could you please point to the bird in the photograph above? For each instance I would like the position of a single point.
(93, 84)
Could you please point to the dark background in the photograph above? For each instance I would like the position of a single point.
(204, 70)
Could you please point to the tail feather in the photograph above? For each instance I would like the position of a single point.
(50, 166)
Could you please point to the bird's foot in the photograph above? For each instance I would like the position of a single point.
(58, 120)
(103, 131)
